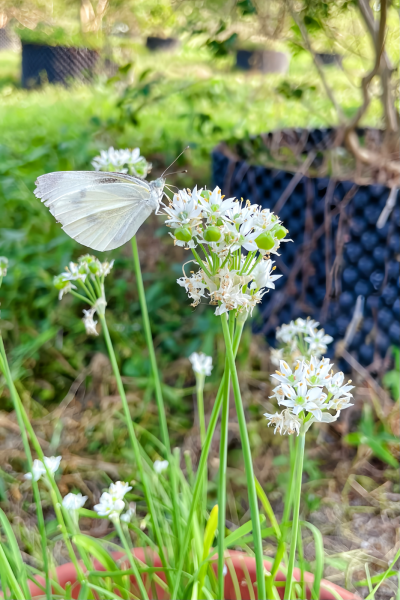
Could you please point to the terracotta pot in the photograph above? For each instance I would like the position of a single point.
(240, 562)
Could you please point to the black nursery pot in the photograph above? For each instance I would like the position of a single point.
(265, 61)
(57, 64)
(337, 254)
(327, 58)
(155, 44)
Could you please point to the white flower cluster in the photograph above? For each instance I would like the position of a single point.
(3, 266)
(74, 502)
(309, 391)
(39, 469)
(88, 267)
(222, 228)
(112, 502)
(160, 466)
(201, 363)
(303, 335)
(122, 161)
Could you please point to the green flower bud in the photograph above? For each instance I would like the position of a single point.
(280, 232)
(220, 222)
(212, 234)
(59, 282)
(265, 241)
(183, 234)
(205, 194)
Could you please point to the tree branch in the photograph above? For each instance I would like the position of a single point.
(317, 62)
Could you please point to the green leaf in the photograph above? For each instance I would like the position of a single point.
(93, 547)
(243, 530)
(18, 565)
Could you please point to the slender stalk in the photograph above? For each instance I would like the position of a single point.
(252, 493)
(202, 425)
(8, 573)
(141, 586)
(223, 453)
(287, 507)
(29, 429)
(4, 367)
(157, 387)
(135, 446)
(200, 406)
(201, 263)
(203, 464)
(297, 479)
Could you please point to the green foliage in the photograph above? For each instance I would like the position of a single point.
(391, 379)
(58, 36)
(375, 436)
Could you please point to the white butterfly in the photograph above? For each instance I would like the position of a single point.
(97, 209)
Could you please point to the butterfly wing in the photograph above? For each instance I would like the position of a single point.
(99, 210)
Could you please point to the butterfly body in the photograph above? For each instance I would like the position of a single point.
(98, 209)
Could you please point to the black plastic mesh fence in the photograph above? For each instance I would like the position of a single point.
(56, 64)
(338, 252)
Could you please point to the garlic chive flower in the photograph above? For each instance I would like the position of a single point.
(286, 375)
(129, 514)
(112, 502)
(222, 230)
(3, 266)
(308, 387)
(88, 275)
(201, 363)
(160, 466)
(302, 337)
(74, 501)
(89, 322)
(284, 422)
(318, 340)
(119, 489)
(38, 468)
(122, 161)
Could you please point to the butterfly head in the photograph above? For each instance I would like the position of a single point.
(159, 183)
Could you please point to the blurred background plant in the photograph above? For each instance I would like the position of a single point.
(193, 94)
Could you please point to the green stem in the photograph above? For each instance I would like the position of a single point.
(287, 507)
(200, 406)
(8, 573)
(56, 492)
(157, 389)
(252, 493)
(4, 367)
(80, 297)
(223, 453)
(201, 263)
(132, 562)
(203, 464)
(135, 446)
(202, 425)
(297, 479)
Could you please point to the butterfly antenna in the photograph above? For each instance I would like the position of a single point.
(174, 161)
(175, 172)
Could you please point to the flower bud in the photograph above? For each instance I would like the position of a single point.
(3, 266)
(60, 282)
(265, 241)
(212, 234)
(183, 234)
(280, 232)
